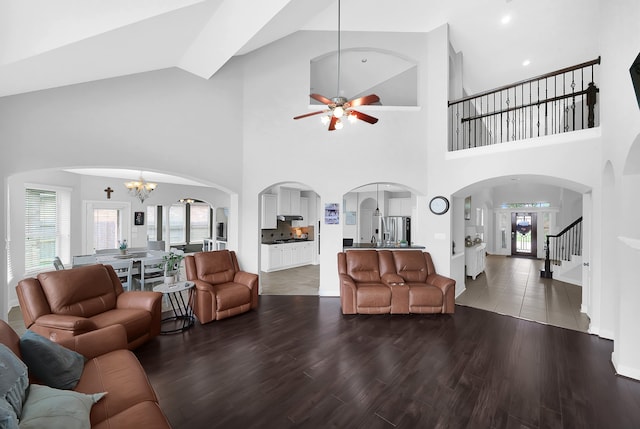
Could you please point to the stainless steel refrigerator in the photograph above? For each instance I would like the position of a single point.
(395, 229)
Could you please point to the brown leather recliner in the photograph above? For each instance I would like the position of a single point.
(222, 290)
(396, 282)
(66, 303)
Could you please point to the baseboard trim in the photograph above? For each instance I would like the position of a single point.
(624, 370)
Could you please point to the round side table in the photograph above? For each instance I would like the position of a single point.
(183, 317)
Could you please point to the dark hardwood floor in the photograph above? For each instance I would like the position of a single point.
(297, 362)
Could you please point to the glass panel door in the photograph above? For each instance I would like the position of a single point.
(524, 234)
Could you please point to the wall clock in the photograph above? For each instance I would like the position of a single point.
(439, 205)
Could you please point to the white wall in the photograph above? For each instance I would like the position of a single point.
(616, 266)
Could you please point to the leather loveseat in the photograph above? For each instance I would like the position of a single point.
(130, 402)
(222, 289)
(392, 281)
(66, 303)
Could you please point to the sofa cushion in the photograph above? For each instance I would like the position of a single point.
(135, 321)
(214, 267)
(411, 265)
(84, 291)
(362, 265)
(373, 295)
(424, 295)
(230, 295)
(49, 362)
(142, 415)
(57, 409)
(14, 380)
(119, 373)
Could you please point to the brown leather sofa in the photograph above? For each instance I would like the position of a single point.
(62, 304)
(131, 401)
(392, 281)
(222, 290)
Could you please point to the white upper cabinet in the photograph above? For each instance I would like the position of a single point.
(304, 212)
(400, 206)
(269, 211)
(288, 201)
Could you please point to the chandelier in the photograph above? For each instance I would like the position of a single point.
(140, 189)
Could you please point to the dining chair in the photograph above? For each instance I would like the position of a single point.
(124, 270)
(151, 272)
(80, 260)
(57, 263)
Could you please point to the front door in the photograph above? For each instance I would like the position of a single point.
(524, 233)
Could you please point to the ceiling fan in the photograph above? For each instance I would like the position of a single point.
(338, 106)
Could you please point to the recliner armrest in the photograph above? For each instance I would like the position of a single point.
(145, 300)
(98, 342)
(441, 282)
(248, 279)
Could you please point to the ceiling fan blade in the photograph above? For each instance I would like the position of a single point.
(321, 99)
(311, 114)
(367, 99)
(363, 116)
(332, 123)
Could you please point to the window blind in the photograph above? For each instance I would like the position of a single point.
(41, 228)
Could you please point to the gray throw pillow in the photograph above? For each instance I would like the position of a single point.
(50, 363)
(57, 409)
(14, 380)
(8, 418)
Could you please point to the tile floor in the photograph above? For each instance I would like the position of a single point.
(303, 280)
(513, 286)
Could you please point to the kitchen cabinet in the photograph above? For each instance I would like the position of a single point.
(288, 201)
(304, 212)
(400, 206)
(287, 255)
(269, 211)
(475, 258)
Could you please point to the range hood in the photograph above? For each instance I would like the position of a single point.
(289, 217)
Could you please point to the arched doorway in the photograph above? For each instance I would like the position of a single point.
(532, 206)
(289, 240)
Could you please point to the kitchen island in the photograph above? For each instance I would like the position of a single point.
(367, 246)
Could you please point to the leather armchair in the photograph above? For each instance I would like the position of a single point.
(222, 289)
(62, 304)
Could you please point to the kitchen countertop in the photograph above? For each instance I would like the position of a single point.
(297, 240)
(359, 246)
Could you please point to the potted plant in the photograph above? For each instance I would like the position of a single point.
(171, 267)
(123, 246)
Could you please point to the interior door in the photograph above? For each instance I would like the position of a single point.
(366, 225)
(524, 233)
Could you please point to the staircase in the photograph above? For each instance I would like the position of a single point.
(563, 255)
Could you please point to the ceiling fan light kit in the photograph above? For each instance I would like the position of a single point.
(339, 107)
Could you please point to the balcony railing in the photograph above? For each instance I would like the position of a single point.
(553, 103)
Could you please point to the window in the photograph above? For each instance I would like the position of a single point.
(47, 227)
(152, 227)
(199, 225)
(177, 224)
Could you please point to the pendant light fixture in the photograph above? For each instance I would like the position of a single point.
(377, 212)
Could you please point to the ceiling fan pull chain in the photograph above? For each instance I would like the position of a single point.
(338, 89)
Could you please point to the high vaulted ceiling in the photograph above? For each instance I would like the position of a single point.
(46, 44)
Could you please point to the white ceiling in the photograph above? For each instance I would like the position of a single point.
(46, 44)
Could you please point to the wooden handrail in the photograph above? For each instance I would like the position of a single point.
(522, 82)
(564, 231)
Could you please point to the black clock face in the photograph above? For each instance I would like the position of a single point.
(439, 205)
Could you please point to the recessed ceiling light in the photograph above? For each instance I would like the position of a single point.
(505, 19)
(526, 63)
(364, 60)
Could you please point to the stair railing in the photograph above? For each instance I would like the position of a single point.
(560, 247)
(553, 103)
